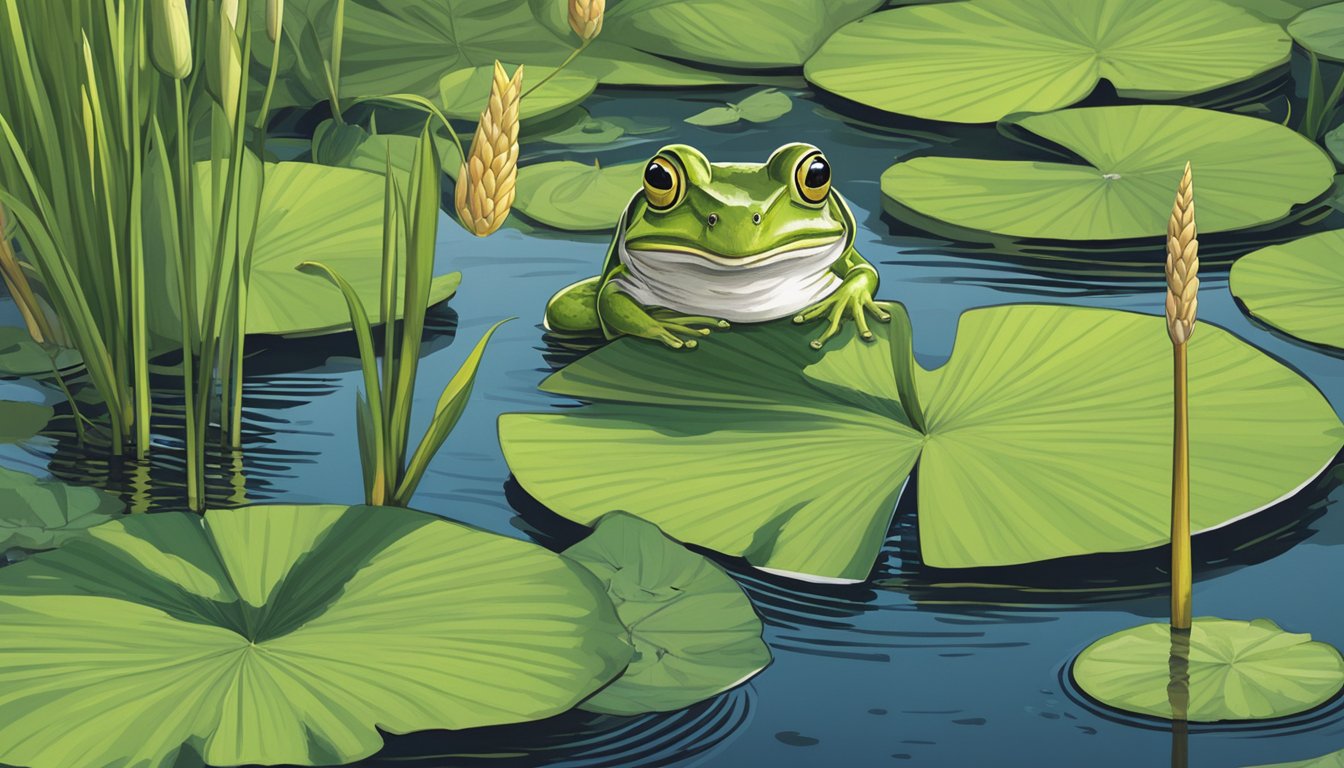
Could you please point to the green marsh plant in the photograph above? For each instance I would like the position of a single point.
(121, 84)
(383, 411)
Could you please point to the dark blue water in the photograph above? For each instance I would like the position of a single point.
(915, 668)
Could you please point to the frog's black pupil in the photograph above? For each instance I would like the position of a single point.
(818, 173)
(657, 176)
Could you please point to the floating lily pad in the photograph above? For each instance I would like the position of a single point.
(694, 631)
(574, 196)
(43, 514)
(1321, 31)
(741, 34)
(287, 634)
(1247, 172)
(21, 356)
(760, 107)
(755, 445)
(1278, 11)
(20, 421)
(1332, 760)
(1334, 141)
(977, 61)
(409, 45)
(1239, 670)
(351, 146)
(1297, 287)
(463, 94)
(308, 212)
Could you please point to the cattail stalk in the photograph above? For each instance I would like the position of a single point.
(485, 183)
(1182, 302)
(170, 37)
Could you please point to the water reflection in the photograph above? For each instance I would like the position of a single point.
(580, 739)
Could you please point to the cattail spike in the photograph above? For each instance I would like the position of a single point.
(1182, 263)
(485, 183)
(585, 17)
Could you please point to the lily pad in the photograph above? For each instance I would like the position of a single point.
(43, 514)
(1334, 141)
(21, 356)
(1239, 670)
(308, 212)
(1321, 31)
(287, 634)
(694, 631)
(1297, 287)
(978, 61)
(760, 107)
(1248, 172)
(1278, 11)
(574, 196)
(463, 94)
(351, 146)
(741, 34)
(20, 421)
(409, 45)
(755, 445)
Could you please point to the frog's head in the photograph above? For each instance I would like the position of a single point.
(736, 213)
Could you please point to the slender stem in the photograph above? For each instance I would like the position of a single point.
(1180, 495)
(270, 83)
(572, 56)
(70, 398)
(186, 291)
(139, 327)
(1178, 697)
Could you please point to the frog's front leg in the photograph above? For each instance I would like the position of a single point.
(852, 299)
(622, 315)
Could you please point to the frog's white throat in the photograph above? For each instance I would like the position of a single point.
(758, 288)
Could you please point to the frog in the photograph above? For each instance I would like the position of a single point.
(702, 246)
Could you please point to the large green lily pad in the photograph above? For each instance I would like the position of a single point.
(1297, 287)
(351, 146)
(1247, 172)
(1238, 670)
(755, 445)
(574, 196)
(1278, 11)
(739, 34)
(21, 356)
(1321, 31)
(759, 107)
(308, 212)
(20, 421)
(463, 94)
(43, 514)
(287, 634)
(977, 61)
(409, 45)
(694, 631)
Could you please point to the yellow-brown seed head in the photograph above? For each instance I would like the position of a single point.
(1182, 263)
(485, 182)
(585, 17)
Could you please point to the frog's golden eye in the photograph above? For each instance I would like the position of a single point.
(813, 178)
(662, 183)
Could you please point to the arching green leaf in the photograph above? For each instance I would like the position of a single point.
(1247, 172)
(977, 61)
(43, 514)
(287, 634)
(1297, 287)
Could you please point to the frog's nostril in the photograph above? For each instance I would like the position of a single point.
(755, 218)
(713, 219)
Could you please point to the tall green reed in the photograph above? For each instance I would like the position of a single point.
(383, 410)
(129, 83)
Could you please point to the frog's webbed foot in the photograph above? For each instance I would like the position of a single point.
(853, 300)
(680, 331)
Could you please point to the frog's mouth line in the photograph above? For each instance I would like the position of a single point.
(796, 249)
